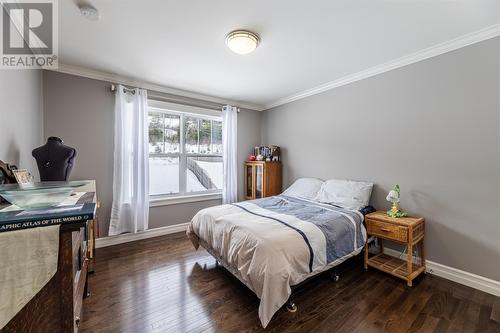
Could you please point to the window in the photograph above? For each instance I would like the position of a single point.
(185, 153)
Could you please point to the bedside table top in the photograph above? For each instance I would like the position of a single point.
(382, 216)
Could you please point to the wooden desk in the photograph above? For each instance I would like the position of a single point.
(58, 305)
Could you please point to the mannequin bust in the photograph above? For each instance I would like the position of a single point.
(54, 160)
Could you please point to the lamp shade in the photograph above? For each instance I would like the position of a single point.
(393, 196)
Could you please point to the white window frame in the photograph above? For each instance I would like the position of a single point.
(183, 111)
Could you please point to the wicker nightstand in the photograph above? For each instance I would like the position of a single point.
(406, 230)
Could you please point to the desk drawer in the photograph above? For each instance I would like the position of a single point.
(387, 230)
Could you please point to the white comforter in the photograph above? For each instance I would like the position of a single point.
(274, 243)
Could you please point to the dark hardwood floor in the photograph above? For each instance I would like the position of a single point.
(163, 285)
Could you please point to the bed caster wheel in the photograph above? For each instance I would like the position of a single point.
(291, 307)
(334, 275)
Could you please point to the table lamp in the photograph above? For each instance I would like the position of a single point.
(394, 197)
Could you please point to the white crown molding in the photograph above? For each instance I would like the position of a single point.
(456, 275)
(150, 233)
(118, 79)
(451, 45)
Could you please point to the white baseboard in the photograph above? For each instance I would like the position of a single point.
(456, 275)
(125, 238)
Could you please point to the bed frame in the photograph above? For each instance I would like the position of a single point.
(334, 275)
(290, 304)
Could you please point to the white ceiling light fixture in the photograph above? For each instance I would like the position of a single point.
(242, 41)
(89, 12)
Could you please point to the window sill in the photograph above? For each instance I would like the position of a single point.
(174, 200)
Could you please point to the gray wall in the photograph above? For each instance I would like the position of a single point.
(21, 116)
(433, 127)
(80, 111)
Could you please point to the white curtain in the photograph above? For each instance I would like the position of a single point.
(130, 210)
(229, 141)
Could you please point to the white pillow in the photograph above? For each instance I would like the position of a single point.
(305, 188)
(349, 194)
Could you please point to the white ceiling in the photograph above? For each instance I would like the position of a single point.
(180, 44)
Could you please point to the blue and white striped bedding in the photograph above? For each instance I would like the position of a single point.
(342, 229)
(277, 242)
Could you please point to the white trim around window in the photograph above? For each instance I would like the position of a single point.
(166, 106)
(158, 201)
(183, 196)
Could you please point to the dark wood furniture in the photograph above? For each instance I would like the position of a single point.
(262, 179)
(58, 306)
(409, 231)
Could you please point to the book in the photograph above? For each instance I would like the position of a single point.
(42, 217)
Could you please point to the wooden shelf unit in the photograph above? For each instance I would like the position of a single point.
(409, 231)
(262, 179)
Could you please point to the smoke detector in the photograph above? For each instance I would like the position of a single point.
(89, 12)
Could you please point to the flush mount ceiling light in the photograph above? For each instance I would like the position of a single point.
(242, 41)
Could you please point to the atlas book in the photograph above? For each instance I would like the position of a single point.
(42, 217)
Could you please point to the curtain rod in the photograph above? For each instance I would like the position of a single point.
(125, 89)
(176, 99)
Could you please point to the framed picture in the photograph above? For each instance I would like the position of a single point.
(23, 176)
(6, 175)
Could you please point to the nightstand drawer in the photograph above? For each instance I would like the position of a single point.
(387, 230)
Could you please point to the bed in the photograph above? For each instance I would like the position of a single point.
(275, 243)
